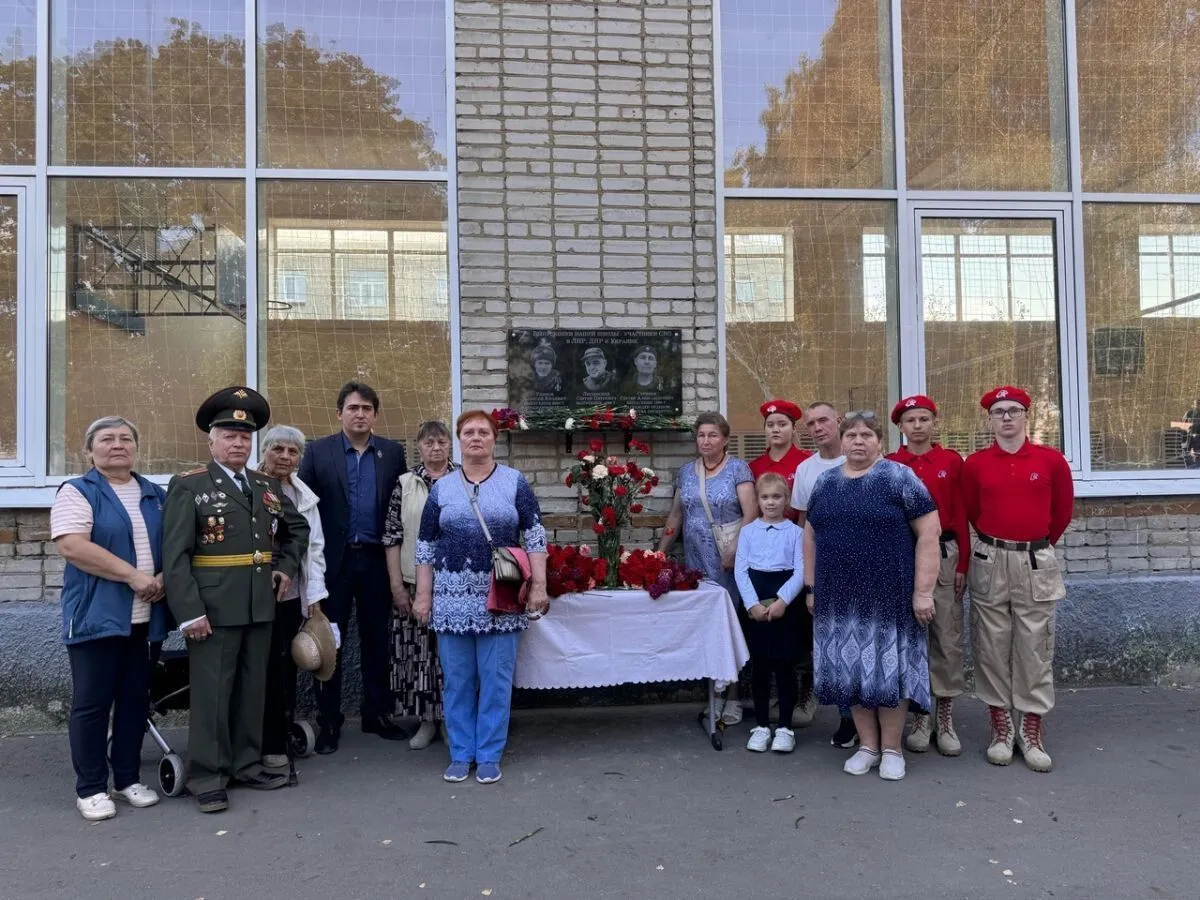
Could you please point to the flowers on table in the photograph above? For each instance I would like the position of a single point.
(573, 570)
(656, 573)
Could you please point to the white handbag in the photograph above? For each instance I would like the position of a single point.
(724, 536)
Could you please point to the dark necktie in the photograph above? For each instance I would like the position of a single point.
(240, 478)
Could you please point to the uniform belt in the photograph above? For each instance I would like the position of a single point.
(257, 558)
(947, 536)
(1014, 545)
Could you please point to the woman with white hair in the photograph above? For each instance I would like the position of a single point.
(108, 526)
(282, 448)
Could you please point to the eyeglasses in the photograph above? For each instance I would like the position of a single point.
(860, 414)
(1014, 412)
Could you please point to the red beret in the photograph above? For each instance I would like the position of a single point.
(787, 407)
(1007, 392)
(916, 401)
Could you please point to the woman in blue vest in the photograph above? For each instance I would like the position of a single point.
(107, 525)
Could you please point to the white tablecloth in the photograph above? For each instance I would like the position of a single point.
(623, 637)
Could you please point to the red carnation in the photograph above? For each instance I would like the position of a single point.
(616, 469)
(596, 445)
(569, 480)
(598, 528)
(620, 490)
(610, 517)
(600, 570)
(636, 507)
(647, 487)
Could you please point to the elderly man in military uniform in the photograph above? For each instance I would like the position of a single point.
(232, 542)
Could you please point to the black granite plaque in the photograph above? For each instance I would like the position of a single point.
(551, 369)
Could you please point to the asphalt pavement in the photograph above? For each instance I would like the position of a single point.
(634, 803)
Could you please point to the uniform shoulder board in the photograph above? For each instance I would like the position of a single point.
(195, 471)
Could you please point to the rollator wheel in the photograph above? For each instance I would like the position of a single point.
(303, 740)
(171, 775)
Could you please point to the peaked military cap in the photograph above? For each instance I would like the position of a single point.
(237, 407)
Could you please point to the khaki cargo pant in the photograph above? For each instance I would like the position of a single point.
(946, 630)
(1013, 596)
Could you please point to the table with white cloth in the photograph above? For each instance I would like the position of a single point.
(604, 638)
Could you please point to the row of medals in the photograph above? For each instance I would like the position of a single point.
(215, 532)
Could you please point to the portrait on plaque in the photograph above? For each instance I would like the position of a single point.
(565, 369)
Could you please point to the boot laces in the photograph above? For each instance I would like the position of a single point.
(1001, 723)
(945, 716)
(1031, 730)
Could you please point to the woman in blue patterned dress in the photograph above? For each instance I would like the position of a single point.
(871, 555)
(729, 488)
(477, 649)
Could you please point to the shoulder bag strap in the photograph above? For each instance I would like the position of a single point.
(474, 501)
(704, 493)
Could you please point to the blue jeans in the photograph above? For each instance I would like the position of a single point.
(477, 670)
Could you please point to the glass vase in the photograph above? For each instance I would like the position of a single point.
(610, 551)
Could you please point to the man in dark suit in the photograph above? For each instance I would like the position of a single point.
(232, 543)
(353, 473)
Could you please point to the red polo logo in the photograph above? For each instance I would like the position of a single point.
(1033, 476)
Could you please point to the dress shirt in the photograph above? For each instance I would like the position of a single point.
(364, 503)
(770, 547)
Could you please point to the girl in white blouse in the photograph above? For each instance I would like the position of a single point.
(769, 569)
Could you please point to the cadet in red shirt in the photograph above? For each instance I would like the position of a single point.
(1019, 496)
(939, 470)
(782, 456)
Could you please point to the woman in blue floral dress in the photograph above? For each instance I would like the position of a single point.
(871, 555)
(477, 649)
(729, 489)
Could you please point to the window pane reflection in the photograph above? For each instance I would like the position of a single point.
(18, 59)
(989, 294)
(354, 282)
(806, 93)
(155, 83)
(1142, 275)
(1139, 95)
(147, 311)
(840, 264)
(984, 98)
(8, 326)
(360, 87)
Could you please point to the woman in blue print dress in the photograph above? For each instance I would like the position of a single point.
(477, 649)
(729, 489)
(871, 555)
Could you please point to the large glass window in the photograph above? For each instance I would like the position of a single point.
(147, 311)
(826, 348)
(18, 75)
(356, 87)
(989, 299)
(1139, 95)
(153, 83)
(353, 281)
(806, 91)
(9, 352)
(1143, 324)
(984, 96)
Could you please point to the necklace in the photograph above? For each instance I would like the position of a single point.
(710, 469)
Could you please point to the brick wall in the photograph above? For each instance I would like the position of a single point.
(30, 567)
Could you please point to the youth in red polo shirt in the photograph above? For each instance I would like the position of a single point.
(940, 470)
(785, 466)
(779, 423)
(1023, 496)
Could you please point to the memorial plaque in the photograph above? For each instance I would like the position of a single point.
(569, 369)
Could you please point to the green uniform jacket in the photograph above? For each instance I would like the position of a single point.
(206, 515)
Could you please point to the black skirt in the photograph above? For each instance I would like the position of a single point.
(780, 641)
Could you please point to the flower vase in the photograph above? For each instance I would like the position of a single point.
(610, 552)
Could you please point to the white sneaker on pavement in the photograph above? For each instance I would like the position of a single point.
(785, 740)
(760, 738)
(862, 762)
(891, 767)
(424, 736)
(139, 796)
(96, 808)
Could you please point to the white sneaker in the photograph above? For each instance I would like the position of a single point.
(760, 737)
(891, 767)
(862, 762)
(785, 740)
(96, 808)
(424, 736)
(732, 714)
(137, 795)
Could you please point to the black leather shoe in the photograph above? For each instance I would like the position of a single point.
(385, 728)
(327, 740)
(260, 781)
(212, 801)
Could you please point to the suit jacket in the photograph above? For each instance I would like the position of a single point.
(207, 515)
(323, 469)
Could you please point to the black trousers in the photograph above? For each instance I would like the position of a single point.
(280, 705)
(109, 676)
(363, 586)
